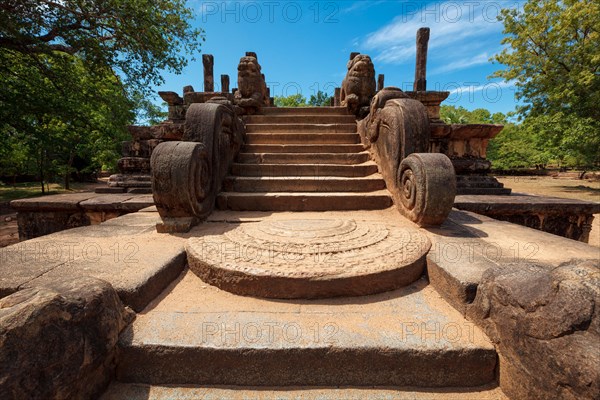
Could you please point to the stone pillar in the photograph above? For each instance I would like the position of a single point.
(209, 81)
(353, 54)
(380, 80)
(421, 67)
(224, 83)
(336, 97)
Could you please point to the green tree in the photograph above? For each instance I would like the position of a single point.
(73, 74)
(552, 54)
(137, 39)
(321, 99)
(294, 100)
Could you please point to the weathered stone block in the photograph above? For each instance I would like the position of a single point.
(134, 164)
(546, 323)
(139, 148)
(58, 341)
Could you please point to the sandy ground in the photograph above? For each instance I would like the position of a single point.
(587, 190)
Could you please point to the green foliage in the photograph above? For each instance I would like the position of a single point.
(460, 115)
(553, 56)
(137, 38)
(321, 99)
(294, 100)
(74, 74)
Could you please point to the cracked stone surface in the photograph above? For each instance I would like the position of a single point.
(308, 258)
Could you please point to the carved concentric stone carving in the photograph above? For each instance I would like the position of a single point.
(315, 258)
(427, 187)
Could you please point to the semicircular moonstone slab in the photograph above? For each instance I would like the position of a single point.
(307, 259)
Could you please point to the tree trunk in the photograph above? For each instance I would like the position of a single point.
(42, 170)
(68, 172)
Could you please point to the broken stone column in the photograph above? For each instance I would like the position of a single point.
(380, 81)
(336, 97)
(224, 83)
(209, 81)
(421, 66)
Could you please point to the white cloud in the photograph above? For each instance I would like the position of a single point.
(472, 87)
(360, 5)
(456, 30)
(463, 63)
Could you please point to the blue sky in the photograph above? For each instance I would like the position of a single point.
(303, 46)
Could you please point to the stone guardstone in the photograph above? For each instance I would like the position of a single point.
(308, 258)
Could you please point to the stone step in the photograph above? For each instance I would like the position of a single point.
(302, 138)
(304, 170)
(479, 184)
(300, 119)
(197, 334)
(304, 201)
(310, 184)
(303, 128)
(304, 111)
(302, 148)
(483, 191)
(303, 158)
(137, 391)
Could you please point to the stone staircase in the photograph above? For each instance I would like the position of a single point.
(303, 159)
(480, 185)
(198, 340)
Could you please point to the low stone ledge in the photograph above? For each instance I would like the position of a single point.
(57, 202)
(59, 340)
(569, 218)
(138, 262)
(545, 321)
(468, 244)
(48, 214)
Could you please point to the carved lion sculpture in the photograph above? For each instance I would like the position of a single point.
(359, 85)
(251, 91)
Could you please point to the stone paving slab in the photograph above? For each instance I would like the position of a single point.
(117, 202)
(121, 391)
(468, 244)
(196, 333)
(65, 202)
(519, 203)
(127, 252)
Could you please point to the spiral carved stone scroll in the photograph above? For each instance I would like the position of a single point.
(187, 175)
(427, 186)
(396, 130)
(181, 184)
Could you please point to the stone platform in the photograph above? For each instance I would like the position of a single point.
(196, 333)
(40, 216)
(308, 258)
(569, 218)
(120, 391)
(190, 335)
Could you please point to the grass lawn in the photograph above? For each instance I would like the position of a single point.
(33, 189)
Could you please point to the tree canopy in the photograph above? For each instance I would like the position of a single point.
(137, 38)
(320, 99)
(552, 54)
(74, 74)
